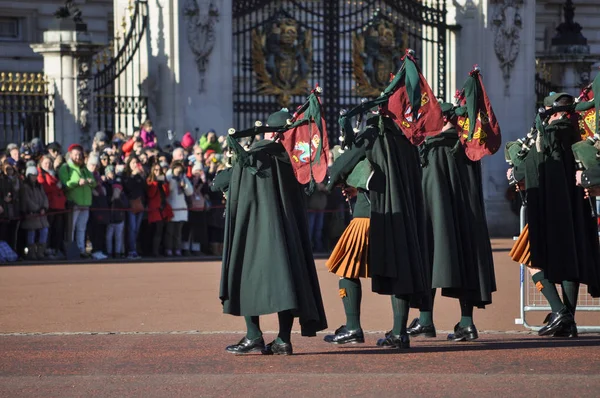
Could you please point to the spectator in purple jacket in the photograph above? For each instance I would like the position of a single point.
(147, 135)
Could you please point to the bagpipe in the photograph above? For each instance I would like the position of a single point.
(587, 151)
(408, 100)
(304, 137)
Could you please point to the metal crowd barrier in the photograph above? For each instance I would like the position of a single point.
(531, 300)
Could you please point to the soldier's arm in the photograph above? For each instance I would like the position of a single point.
(591, 177)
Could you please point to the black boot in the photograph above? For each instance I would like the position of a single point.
(400, 341)
(345, 336)
(416, 329)
(463, 333)
(567, 331)
(556, 321)
(246, 345)
(278, 348)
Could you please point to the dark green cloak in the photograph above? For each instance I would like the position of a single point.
(460, 252)
(397, 253)
(562, 233)
(268, 264)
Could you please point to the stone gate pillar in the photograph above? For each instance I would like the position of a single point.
(499, 36)
(67, 50)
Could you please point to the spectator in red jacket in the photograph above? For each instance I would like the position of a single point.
(56, 205)
(159, 210)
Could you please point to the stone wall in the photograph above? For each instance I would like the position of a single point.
(36, 17)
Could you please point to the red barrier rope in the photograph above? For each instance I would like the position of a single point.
(51, 213)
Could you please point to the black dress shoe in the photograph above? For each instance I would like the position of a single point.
(344, 336)
(567, 331)
(246, 345)
(556, 321)
(275, 348)
(399, 341)
(416, 329)
(463, 333)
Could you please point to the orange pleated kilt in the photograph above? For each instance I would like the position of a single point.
(349, 257)
(521, 251)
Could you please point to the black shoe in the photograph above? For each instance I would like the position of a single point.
(275, 348)
(463, 333)
(400, 341)
(567, 331)
(416, 329)
(345, 336)
(246, 345)
(556, 321)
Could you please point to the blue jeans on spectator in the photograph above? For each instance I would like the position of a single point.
(315, 229)
(42, 236)
(114, 232)
(80, 220)
(133, 228)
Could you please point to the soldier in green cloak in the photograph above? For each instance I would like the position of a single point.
(562, 233)
(394, 218)
(460, 253)
(268, 266)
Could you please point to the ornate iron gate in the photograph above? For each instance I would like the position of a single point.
(281, 48)
(118, 103)
(26, 107)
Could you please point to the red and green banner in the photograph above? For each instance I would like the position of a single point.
(588, 109)
(412, 104)
(306, 142)
(483, 137)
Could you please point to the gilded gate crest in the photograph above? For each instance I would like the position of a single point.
(376, 53)
(282, 59)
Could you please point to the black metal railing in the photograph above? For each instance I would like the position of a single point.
(282, 48)
(542, 89)
(119, 104)
(26, 107)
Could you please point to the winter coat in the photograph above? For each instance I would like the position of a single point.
(9, 187)
(117, 214)
(158, 207)
(148, 138)
(56, 196)
(69, 174)
(176, 197)
(33, 200)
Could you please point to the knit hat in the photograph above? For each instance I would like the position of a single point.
(31, 171)
(101, 136)
(109, 169)
(75, 146)
(187, 140)
(11, 146)
(209, 152)
(55, 146)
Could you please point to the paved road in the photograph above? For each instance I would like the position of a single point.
(195, 365)
(167, 335)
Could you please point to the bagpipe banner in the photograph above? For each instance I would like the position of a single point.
(304, 138)
(412, 104)
(306, 141)
(588, 109)
(482, 137)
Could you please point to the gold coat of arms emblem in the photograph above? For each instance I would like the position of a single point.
(282, 59)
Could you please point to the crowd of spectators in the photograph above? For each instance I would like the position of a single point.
(127, 197)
